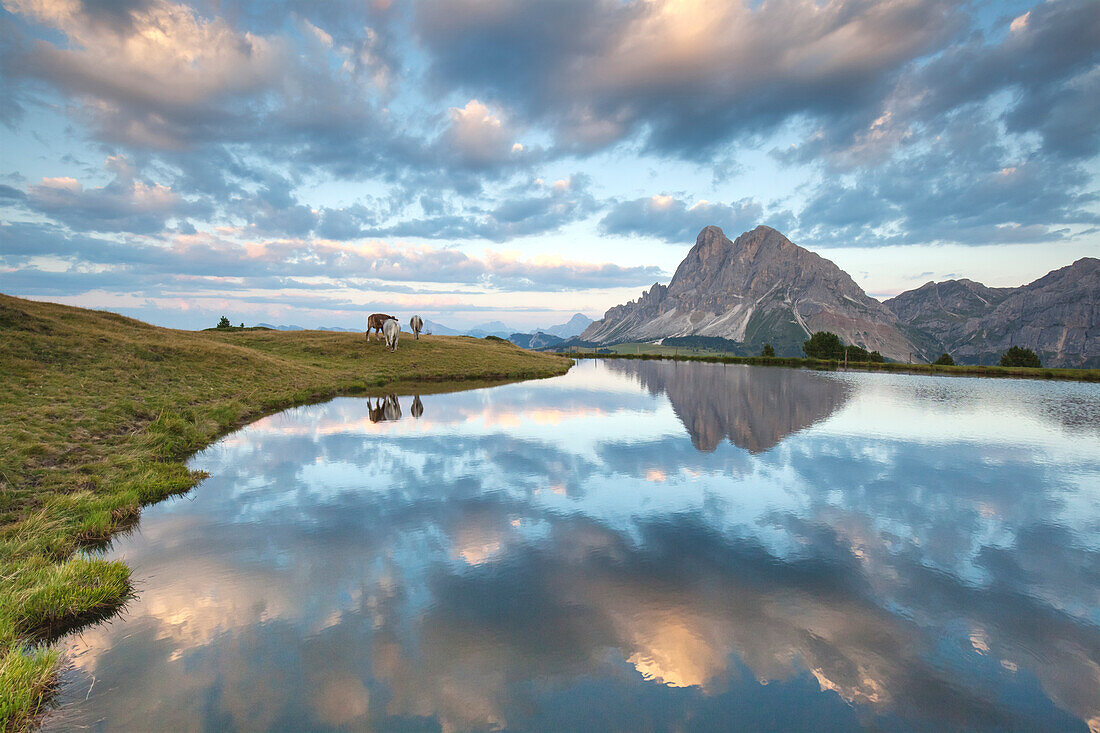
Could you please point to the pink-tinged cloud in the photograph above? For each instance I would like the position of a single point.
(166, 57)
(481, 137)
(127, 203)
(684, 74)
(241, 264)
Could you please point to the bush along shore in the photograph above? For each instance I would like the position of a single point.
(1079, 375)
(99, 414)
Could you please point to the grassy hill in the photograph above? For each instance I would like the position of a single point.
(100, 412)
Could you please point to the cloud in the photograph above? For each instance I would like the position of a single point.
(274, 210)
(524, 211)
(232, 129)
(965, 186)
(345, 223)
(685, 75)
(1038, 77)
(520, 210)
(161, 79)
(271, 264)
(11, 193)
(153, 73)
(1048, 59)
(670, 219)
(126, 204)
(481, 139)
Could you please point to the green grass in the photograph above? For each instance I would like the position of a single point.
(652, 351)
(99, 413)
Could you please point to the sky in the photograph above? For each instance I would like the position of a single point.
(521, 160)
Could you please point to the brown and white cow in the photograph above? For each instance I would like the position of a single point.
(375, 321)
(416, 323)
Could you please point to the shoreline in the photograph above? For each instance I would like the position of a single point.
(999, 372)
(104, 411)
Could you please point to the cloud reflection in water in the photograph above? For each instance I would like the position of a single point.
(818, 550)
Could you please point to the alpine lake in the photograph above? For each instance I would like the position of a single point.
(635, 545)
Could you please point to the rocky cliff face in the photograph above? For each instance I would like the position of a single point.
(759, 288)
(1056, 316)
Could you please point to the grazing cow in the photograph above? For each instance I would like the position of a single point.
(417, 407)
(375, 321)
(416, 323)
(391, 329)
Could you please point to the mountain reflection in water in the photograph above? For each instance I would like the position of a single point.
(752, 408)
(881, 551)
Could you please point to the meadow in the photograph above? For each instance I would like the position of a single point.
(101, 411)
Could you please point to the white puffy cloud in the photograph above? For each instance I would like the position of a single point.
(480, 138)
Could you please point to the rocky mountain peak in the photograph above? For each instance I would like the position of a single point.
(759, 287)
(714, 249)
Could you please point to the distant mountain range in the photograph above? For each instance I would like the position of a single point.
(572, 328)
(303, 328)
(1056, 316)
(762, 288)
(545, 337)
(548, 338)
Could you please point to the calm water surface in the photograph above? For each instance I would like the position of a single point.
(632, 546)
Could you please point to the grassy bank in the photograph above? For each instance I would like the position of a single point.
(1078, 375)
(99, 413)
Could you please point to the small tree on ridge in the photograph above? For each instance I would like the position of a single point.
(824, 345)
(1018, 356)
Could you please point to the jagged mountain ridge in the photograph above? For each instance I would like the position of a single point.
(759, 288)
(1056, 316)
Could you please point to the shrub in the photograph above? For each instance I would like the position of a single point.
(768, 351)
(1018, 356)
(224, 323)
(944, 360)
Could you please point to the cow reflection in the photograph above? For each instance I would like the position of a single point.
(417, 408)
(385, 409)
